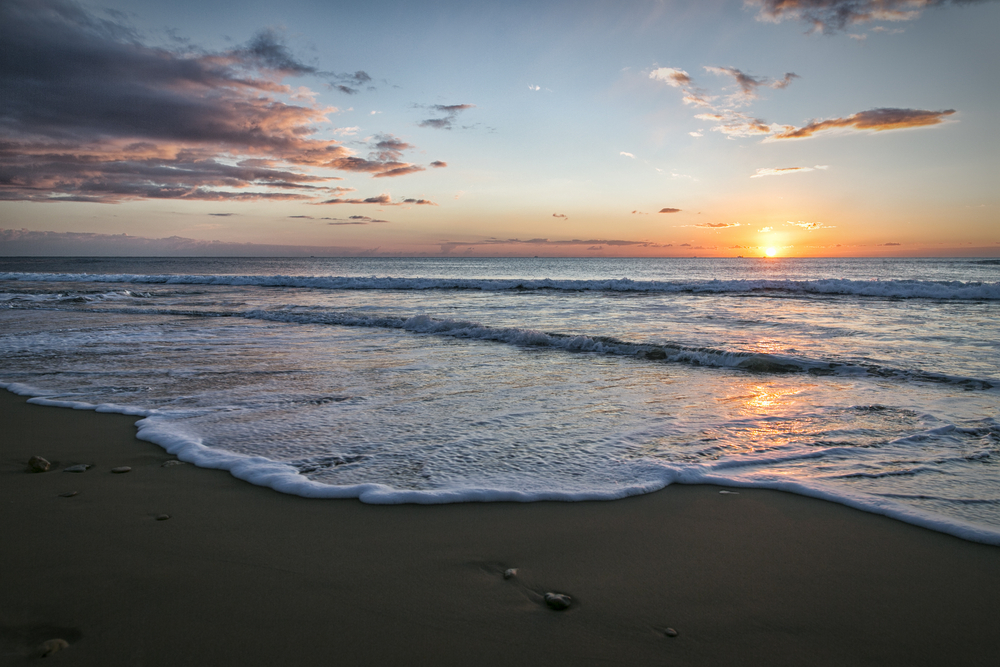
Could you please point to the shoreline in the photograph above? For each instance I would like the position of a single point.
(241, 574)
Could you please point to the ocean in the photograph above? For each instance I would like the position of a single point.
(870, 382)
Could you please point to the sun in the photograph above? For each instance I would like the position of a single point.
(771, 252)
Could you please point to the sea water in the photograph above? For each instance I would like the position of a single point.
(870, 382)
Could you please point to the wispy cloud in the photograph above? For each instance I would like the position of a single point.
(448, 246)
(876, 120)
(669, 210)
(438, 164)
(625, 154)
(559, 215)
(783, 171)
(831, 16)
(810, 226)
(91, 113)
(354, 220)
(445, 122)
(749, 84)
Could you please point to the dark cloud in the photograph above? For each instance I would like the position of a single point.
(91, 113)
(669, 210)
(749, 84)
(439, 164)
(834, 15)
(876, 120)
(559, 215)
(382, 200)
(451, 112)
(222, 215)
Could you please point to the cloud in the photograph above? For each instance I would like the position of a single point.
(559, 215)
(716, 225)
(831, 16)
(696, 134)
(535, 88)
(888, 244)
(749, 84)
(765, 230)
(671, 76)
(876, 120)
(670, 210)
(438, 164)
(91, 113)
(810, 226)
(627, 155)
(782, 171)
(354, 220)
(24, 242)
(448, 246)
(450, 112)
(381, 200)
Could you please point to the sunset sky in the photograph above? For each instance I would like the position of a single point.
(635, 128)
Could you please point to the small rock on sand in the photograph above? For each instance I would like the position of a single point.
(38, 464)
(68, 494)
(510, 573)
(50, 646)
(162, 517)
(81, 467)
(121, 469)
(558, 601)
(171, 463)
(669, 632)
(730, 493)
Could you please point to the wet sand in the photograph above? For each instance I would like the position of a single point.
(242, 575)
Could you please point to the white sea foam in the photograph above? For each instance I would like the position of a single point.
(647, 476)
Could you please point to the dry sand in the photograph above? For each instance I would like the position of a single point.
(242, 575)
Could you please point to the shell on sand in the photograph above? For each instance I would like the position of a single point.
(121, 469)
(38, 464)
(558, 601)
(81, 467)
(162, 517)
(68, 494)
(509, 573)
(50, 646)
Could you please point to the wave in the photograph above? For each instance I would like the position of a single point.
(889, 289)
(664, 352)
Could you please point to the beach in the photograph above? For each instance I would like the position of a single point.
(241, 574)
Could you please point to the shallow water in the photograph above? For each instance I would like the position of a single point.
(870, 382)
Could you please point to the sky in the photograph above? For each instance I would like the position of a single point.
(449, 128)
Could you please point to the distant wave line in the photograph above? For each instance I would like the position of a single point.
(893, 289)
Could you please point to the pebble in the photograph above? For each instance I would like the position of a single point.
(82, 467)
(171, 463)
(121, 469)
(68, 494)
(162, 517)
(558, 601)
(50, 646)
(38, 464)
(730, 493)
(510, 573)
(670, 632)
